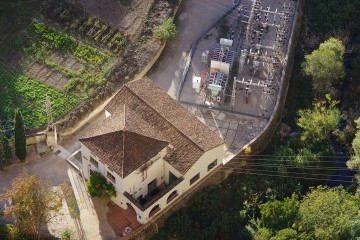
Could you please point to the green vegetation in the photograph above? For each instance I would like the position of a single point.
(61, 41)
(89, 54)
(33, 204)
(278, 215)
(327, 213)
(166, 31)
(282, 200)
(319, 122)
(325, 65)
(98, 186)
(6, 152)
(19, 135)
(354, 162)
(29, 96)
(91, 28)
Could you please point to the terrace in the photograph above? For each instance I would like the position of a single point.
(144, 203)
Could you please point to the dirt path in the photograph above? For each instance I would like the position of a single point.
(194, 17)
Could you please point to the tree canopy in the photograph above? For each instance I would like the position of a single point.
(328, 213)
(98, 186)
(166, 31)
(278, 215)
(325, 65)
(354, 162)
(33, 204)
(319, 121)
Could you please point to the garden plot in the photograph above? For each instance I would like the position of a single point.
(66, 60)
(45, 74)
(29, 95)
(54, 64)
(126, 15)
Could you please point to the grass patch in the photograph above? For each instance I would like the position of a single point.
(19, 91)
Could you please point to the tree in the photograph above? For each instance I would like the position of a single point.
(354, 162)
(98, 186)
(317, 123)
(166, 31)
(7, 148)
(325, 65)
(263, 234)
(327, 213)
(285, 234)
(305, 157)
(277, 215)
(33, 204)
(20, 138)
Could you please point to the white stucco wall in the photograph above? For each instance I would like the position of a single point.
(136, 183)
(200, 166)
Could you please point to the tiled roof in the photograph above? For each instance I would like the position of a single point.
(190, 137)
(123, 141)
(123, 151)
(123, 119)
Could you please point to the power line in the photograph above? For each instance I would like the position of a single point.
(295, 177)
(292, 173)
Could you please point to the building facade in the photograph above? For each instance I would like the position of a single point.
(150, 148)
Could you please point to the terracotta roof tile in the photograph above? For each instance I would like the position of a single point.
(174, 113)
(190, 137)
(123, 151)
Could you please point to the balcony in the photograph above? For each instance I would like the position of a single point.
(152, 197)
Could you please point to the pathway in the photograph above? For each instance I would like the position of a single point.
(195, 16)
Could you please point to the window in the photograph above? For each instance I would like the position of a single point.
(194, 178)
(110, 176)
(212, 165)
(94, 162)
(172, 196)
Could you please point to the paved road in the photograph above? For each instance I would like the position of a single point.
(194, 17)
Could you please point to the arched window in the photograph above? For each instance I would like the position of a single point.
(172, 196)
(154, 210)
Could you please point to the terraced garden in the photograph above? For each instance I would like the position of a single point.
(57, 62)
(29, 95)
(70, 51)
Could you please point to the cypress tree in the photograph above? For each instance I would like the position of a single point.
(20, 138)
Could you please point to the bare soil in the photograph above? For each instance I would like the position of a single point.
(66, 60)
(127, 19)
(46, 75)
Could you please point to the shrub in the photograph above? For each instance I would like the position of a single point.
(98, 186)
(166, 31)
